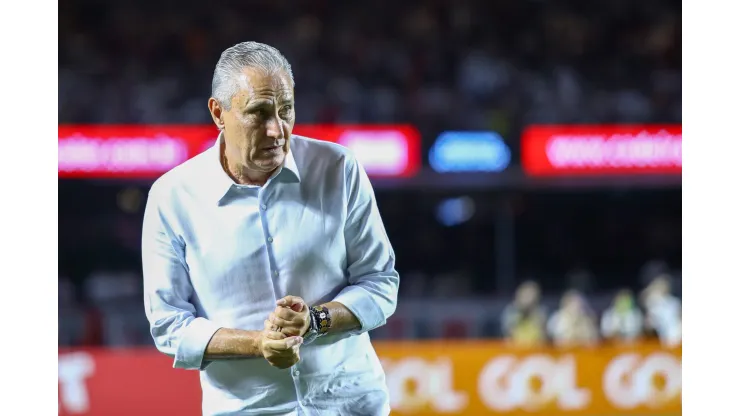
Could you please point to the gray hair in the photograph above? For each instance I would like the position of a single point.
(234, 59)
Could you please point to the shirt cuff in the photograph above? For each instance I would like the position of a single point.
(360, 302)
(192, 347)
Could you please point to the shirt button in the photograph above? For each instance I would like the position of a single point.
(297, 373)
(275, 272)
(263, 206)
(269, 239)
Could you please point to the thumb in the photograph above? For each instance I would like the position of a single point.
(293, 341)
(293, 302)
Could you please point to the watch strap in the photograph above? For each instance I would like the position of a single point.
(321, 318)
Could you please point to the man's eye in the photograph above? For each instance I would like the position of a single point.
(286, 109)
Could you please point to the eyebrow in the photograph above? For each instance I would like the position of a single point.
(257, 104)
(254, 105)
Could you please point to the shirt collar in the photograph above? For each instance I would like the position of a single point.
(221, 183)
(290, 167)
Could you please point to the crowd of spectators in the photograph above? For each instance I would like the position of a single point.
(656, 313)
(467, 64)
(439, 65)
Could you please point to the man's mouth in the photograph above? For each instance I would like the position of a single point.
(274, 146)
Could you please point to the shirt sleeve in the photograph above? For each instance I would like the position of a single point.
(167, 292)
(373, 281)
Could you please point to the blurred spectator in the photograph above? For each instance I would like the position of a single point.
(663, 311)
(523, 321)
(622, 321)
(574, 323)
(503, 64)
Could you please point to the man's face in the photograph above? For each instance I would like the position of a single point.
(572, 303)
(527, 295)
(258, 126)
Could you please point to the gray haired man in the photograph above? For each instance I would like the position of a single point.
(265, 259)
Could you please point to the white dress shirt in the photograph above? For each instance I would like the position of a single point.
(625, 325)
(218, 254)
(665, 317)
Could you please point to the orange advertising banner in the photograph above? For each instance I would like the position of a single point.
(479, 378)
(474, 378)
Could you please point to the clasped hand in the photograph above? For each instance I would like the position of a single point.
(283, 333)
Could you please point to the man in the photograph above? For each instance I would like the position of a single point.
(265, 259)
(573, 324)
(523, 320)
(622, 321)
(662, 311)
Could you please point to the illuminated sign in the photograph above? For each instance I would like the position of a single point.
(147, 151)
(467, 151)
(591, 150)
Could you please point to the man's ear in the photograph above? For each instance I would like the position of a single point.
(214, 107)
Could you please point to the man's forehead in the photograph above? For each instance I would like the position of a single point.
(253, 80)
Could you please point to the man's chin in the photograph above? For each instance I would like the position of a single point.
(268, 164)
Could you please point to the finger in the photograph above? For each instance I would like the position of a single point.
(286, 313)
(276, 346)
(280, 322)
(269, 326)
(275, 335)
(290, 331)
(293, 302)
(284, 345)
(294, 342)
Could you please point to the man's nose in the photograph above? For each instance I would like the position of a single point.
(274, 128)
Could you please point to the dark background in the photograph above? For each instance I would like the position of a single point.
(438, 65)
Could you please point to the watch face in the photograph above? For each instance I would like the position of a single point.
(310, 336)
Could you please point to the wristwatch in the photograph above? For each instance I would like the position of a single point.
(319, 324)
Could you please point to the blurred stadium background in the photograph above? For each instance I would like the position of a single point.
(527, 163)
